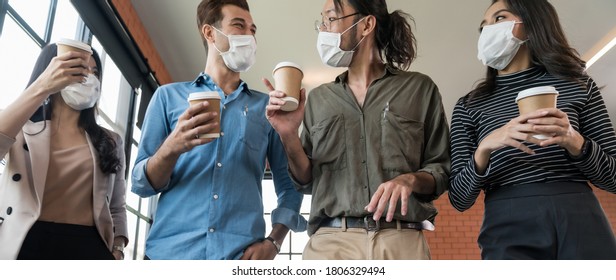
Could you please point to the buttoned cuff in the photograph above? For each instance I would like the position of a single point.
(290, 218)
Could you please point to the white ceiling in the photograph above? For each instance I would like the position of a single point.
(446, 31)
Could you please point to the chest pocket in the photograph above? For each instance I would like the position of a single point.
(254, 132)
(402, 142)
(329, 144)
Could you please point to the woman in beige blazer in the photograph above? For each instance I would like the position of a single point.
(62, 191)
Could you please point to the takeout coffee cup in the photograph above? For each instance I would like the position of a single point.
(536, 98)
(64, 45)
(288, 79)
(213, 99)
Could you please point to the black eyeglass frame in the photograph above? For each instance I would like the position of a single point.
(321, 24)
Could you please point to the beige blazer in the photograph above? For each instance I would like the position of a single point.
(22, 186)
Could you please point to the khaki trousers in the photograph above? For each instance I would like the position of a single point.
(358, 244)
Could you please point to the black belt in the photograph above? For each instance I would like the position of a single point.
(369, 224)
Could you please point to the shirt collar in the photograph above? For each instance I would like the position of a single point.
(522, 77)
(389, 71)
(205, 79)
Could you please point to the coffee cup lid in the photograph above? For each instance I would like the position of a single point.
(536, 91)
(203, 95)
(75, 44)
(287, 64)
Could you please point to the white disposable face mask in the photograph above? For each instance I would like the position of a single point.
(242, 52)
(328, 45)
(497, 46)
(81, 96)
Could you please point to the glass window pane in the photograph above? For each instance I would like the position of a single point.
(65, 21)
(137, 236)
(35, 17)
(18, 53)
(111, 83)
(294, 242)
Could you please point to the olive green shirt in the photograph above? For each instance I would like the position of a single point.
(401, 128)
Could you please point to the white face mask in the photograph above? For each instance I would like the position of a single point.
(81, 96)
(328, 45)
(497, 46)
(241, 54)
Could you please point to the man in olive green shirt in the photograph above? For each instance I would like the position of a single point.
(374, 149)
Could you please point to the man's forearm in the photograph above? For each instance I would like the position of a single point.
(160, 166)
(279, 232)
(299, 164)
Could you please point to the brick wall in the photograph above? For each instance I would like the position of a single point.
(135, 27)
(455, 237)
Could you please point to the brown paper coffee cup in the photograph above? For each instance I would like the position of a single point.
(65, 45)
(536, 98)
(288, 79)
(213, 99)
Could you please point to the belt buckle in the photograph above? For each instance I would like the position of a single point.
(371, 225)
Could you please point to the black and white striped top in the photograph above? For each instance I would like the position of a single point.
(509, 166)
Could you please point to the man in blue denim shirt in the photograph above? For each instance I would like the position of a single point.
(210, 204)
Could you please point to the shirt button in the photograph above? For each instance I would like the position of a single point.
(224, 107)
(222, 134)
(219, 164)
(17, 177)
(363, 161)
(9, 210)
(215, 196)
(211, 229)
(365, 187)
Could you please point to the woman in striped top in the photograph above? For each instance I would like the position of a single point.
(538, 199)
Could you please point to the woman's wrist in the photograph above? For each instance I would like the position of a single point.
(481, 157)
(582, 153)
(576, 149)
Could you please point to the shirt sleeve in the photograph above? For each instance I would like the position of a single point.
(464, 183)
(287, 211)
(436, 157)
(154, 131)
(600, 164)
(117, 205)
(5, 144)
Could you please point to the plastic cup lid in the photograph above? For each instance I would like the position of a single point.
(536, 91)
(203, 95)
(75, 44)
(287, 64)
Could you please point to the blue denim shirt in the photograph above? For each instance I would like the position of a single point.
(212, 206)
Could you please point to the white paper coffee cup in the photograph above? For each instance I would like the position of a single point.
(213, 99)
(533, 99)
(288, 79)
(65, 45)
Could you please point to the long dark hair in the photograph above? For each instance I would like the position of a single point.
(105, 146)
(394, 36)
(547, 43)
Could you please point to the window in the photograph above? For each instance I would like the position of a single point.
(294, 243)
(25, 30)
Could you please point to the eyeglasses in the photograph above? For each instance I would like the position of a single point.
(326, 24)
